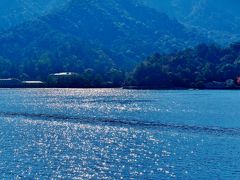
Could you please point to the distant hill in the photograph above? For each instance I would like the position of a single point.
(92, 34)
(218, 20)
(14, 12)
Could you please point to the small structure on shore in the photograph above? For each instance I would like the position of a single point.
(34, 84)
(10, 83)
(64, 74)
(16, 83)
(64, 79)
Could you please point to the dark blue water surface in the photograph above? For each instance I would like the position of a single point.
(115, 133)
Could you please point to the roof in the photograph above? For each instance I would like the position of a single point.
(10, 79)
(33, 82)
(65, 74)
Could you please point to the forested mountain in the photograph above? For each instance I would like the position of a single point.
(95, 34)
(13, 12)
(205, 66)
(218, 20)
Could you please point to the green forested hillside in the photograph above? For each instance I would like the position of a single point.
(105, 36)
(191, 68)
(218, 20)
(14, 12)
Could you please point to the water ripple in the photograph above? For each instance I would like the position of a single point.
(128, 122)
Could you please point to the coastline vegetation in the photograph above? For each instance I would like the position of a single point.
(202, 67)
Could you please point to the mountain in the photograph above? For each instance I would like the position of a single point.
(218, 20)
(15, 12)
(92, 34)
(122, 26)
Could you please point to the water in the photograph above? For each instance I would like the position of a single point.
(114, 133)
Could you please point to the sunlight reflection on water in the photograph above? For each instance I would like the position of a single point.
(174, 134)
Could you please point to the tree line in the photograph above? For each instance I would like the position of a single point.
(190, 68)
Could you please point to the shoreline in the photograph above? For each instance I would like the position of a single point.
(177, 88)
(124, 88)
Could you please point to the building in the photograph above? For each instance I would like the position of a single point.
(64, 74)
(64, 79)
(10, 83)
(34, 84)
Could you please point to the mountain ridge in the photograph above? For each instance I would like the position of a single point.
(113, 25)
(15, 12)
(219, 21)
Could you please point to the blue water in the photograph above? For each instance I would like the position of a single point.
(115, 133)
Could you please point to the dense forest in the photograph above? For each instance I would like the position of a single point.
(103, 41)
(217, 20)
(205, 66)
(106, 38)
(15, 12)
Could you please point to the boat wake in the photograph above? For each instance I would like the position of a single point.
(218, 131)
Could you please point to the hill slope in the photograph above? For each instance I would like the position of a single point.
(15, 12)
(219, 20)
(124, 30)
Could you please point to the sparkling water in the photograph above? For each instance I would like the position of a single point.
(115, 133)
